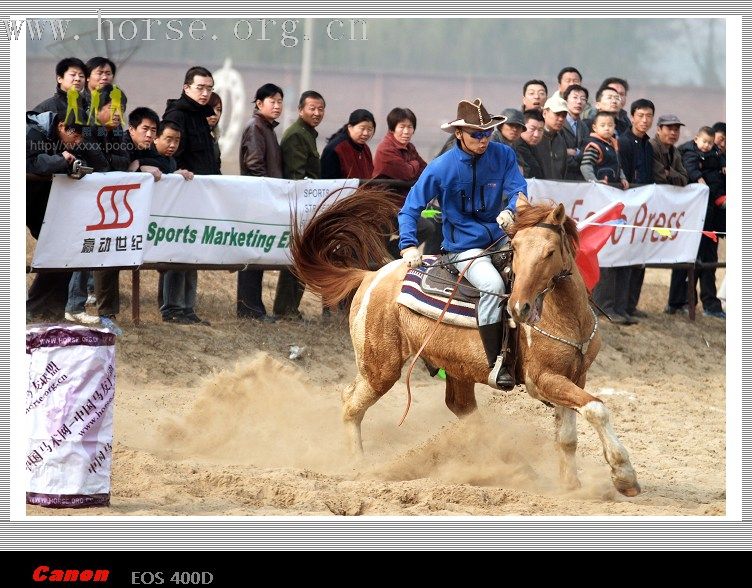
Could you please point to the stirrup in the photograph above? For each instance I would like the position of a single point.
(499, 377)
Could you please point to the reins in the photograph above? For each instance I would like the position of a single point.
(474, 257)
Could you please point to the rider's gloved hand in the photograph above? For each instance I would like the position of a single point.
(412, 257)
(505, 220)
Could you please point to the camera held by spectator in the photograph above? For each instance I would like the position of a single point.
(79, 169)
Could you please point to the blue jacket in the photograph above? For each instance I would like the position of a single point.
(471, 191)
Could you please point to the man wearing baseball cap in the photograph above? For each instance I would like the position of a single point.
(552, 150)
(477, 183)
(510, 130)
(667, 162)
(669, 169)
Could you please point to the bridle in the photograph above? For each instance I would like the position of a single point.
(563, 274)
(565, 246)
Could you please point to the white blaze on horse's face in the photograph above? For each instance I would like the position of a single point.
(538, 257)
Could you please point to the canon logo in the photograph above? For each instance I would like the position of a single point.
(45, 574)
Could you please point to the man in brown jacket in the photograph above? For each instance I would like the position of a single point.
(260, 155)
(669, 169)
(667, 162)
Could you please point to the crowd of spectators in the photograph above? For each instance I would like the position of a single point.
(561, 136)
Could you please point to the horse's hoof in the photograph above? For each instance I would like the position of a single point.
(629, 490)
(572, 485)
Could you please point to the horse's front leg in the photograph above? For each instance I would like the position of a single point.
(566, 438)
(622, 472)
(563, 392)
(566, 443)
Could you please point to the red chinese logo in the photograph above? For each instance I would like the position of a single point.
(113, 208)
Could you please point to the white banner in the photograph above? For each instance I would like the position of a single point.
(97, 221)
(647, 206)
(126, 219)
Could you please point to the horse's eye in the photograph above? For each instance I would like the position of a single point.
(549, 254)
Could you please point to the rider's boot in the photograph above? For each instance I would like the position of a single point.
(499, 376)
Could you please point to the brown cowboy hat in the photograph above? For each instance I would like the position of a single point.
(473, 115)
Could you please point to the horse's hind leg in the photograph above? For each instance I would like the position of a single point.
(460, 397)
(563, 392)
(566, 443)
(362, 394)
(356, 400)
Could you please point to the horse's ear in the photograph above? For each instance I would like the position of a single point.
(557, 216)
(522, 202)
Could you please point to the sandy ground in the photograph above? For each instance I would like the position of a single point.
(218, 421)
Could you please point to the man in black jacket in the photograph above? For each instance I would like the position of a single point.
(196, 151)
(100, 73)
(106, 137)
(50, 143)
(105, 149)
(552, 149)
(124, 151)
(635, 150)
(608, 99)
(195, 154)
(636, 156)
(143, 123)
(524, 147)
(706, 164)
(575, 131)
(71, 75)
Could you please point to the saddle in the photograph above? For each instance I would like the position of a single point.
(440, 277)
(426, 289)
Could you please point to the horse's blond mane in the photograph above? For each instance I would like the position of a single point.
(531, 215)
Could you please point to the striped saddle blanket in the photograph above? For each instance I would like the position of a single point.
(426, 292)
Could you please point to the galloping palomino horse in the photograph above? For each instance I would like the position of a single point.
(557, 343)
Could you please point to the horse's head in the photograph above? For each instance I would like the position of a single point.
(543, 239)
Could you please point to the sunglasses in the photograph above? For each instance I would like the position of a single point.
(478, 135)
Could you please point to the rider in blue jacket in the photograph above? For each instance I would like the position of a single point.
(476, 183)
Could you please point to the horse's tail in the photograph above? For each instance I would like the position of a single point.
(343, 240)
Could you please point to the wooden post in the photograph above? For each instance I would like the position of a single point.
(135, 293)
